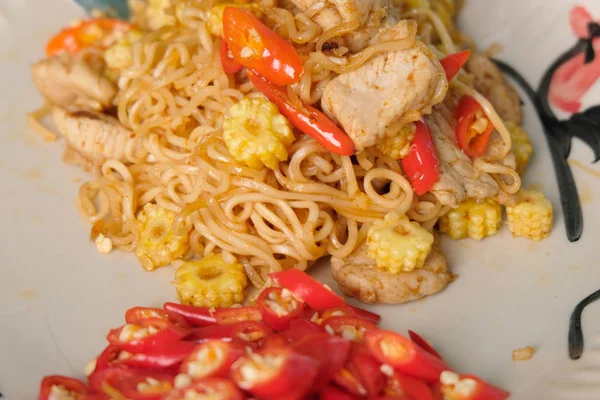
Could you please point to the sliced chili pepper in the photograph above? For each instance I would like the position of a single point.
(408, 387)
(197, 316)
(256, 46)
(314, 293)
(299, 328)
(138, 386)
(222, 332)
(364, 314)
(330, 351)
(421, 163)
(95, 396)
(163, 359)
(108, 374)
(330, 392)
(107, 358)
(208, 388)
(352, 328)
(87, 34)
(278, 307)
(63, 384)
(474, 128)
(226, 316)
(251, 333)
(404, 355)
(454, 62)
(229, 64)
(136, 315)
(152, 335)
(470, 387)
(350, 382)
(276, 340)
(309, 120)
(366, 368)
(275, 373)
(212, 359)
(415, 337)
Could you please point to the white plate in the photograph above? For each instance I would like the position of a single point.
(58, 296)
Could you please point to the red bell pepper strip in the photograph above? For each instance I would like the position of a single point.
(226, 316)
(310, 121)
(314, 293)
(138, 386)
(330, 351)
(165, 334)
(220, 388)
(421, 163)
(86, 34)
(454, 62)
(275, 373)
(330, 392)
(415, 337)
(299, 328)
(222, 332)
(256, 46)
(63, 384)
(366, 368)
(404, 355)
(164, 359)
(348, 327)
(364, 314)
(471, 138)
(347, 380)
(229, 64)
(278, 307)
(406, 386)
(197, 316)
(212, 359)
(471, 388)
(136, 315)
(251, 333)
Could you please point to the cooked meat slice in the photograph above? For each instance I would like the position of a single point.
(392, 88)
(459, 179)
(72, 79)
(96, 137)
(358, 276)
(490, 81)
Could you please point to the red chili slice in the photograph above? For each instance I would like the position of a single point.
(256, 46)
(86, 34)
(108, 374)
(366, 368)
(251, 333)
(404, 355)
(165, 359)
(154, 335)
(197, 316)
(314, 293)
(226, 316)
(212, 359)
(222, 332)
(364, 314)
(415, 337)
(348, 327)
(472, 141)
(138, 386)
(332, 393)
(421, 163)
(275, 373)
(475, 389)
(307, 119)
(330, 351)
(300, 328)
(63, 384)
(405, 386)
(454, 62)
(229, 64)
(220, 388)
(278, 307)
(136, 315)
(349, 382)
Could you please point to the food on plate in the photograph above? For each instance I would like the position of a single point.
(291, 349)
(247, 138)
(523, 354)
